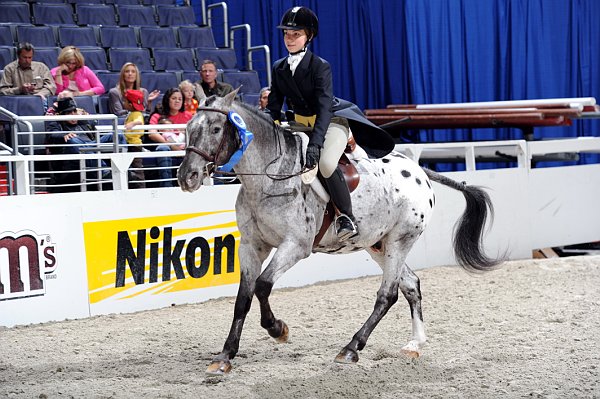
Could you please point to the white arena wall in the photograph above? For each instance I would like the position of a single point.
(74, 253)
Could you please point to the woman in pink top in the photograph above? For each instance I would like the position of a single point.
(72, 74)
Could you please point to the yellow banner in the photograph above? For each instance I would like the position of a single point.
(154, 255)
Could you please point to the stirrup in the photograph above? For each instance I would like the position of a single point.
(345, 227)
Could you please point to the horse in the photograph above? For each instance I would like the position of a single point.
(275, 210)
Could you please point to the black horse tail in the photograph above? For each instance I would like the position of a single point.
(468, 231)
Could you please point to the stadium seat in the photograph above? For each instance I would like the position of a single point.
(158, 80)
(23, 105)
(15, 12)
(7, 55)
(157, 37)
(95, 57)
(42, 36)
(247, 81)
(47, 55)
(87, 103)
(126, 2)
(103, 104)
(53, 14)
(195, 36)
(192, 76)
(225, 58)
(159, 2)
(174, 59)
(175, 15)
(139, 56)
(117, 36)
(251, 98)
(136, 15)
(95, 14)
(108, 79)
(6, 36)
(77, 36)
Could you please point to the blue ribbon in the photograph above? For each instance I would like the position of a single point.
(245, 139)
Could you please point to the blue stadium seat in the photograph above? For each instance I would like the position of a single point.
(15, 12)
(47, 55)
(7, 55)
(192, 76)
(95, 57)
(126, 2)
(87, 103)
(42, 36)
(23, 105)
(136, 15)
(108, 79)
(195, 36)
(117, 36)
(174, 59)
(157, 37)
(159, 80)
(175, 15)
(95, 14)
(77, 36)
(225, 58)
(251, 98)
(247, 80)
(6, 36)
(139, 56)
(53, 14)
(103, 104)
(159, 2)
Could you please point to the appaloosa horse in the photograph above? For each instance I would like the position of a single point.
(392, 204)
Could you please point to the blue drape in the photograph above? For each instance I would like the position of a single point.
(435, 51)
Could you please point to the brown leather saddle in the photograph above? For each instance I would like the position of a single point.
(352, 179)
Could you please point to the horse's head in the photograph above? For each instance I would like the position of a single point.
(212, 139)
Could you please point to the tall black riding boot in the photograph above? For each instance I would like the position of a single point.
(345, 224)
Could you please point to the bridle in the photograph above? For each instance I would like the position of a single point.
(211, 166)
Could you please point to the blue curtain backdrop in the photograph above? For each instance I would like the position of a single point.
(436, 51)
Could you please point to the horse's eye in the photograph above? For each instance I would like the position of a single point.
(216, 130)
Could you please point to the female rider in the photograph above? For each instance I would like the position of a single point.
(304, 81)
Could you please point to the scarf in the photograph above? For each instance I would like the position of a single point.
(294, 60)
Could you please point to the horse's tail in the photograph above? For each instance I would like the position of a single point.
(468, 231)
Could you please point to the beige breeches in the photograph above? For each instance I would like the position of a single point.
(336, 139)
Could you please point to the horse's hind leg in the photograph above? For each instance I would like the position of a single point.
(390, 262)
(411, 289)
(250, 270)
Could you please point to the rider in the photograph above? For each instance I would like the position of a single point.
(304, 80)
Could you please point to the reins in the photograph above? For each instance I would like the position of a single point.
(211, 167)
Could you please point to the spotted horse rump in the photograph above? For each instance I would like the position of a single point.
(275, 211)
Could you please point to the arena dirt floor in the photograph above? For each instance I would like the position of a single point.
(529, 330)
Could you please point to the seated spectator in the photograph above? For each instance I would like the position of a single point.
(190, 102)
(263, 98)
(173, 109)
(25, 76)
(129, 79)
(72, 74)
(208, 81)
(76, 134)
(175, 136)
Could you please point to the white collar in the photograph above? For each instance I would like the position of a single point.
(294, 60)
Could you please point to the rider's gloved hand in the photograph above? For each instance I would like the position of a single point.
(313, 153)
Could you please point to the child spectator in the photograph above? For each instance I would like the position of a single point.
(190, 102)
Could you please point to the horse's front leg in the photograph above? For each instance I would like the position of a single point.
(286, 256)
(252, 257)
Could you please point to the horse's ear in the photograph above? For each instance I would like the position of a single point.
(201, 95)
(228, 99)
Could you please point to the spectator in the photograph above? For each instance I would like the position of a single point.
(72, 74)
(25, 76)
(129, 79)
(263, 98)
(172, 108)
(190, 102)
(208, 81)
(134, 103)
(76, 134)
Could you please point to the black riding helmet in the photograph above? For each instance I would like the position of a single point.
(299, 18)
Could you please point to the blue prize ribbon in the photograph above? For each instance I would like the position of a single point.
(245, 139)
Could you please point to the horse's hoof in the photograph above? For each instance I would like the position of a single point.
(219, 367)
(285, 334)
(411, 350)
(346, 356)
